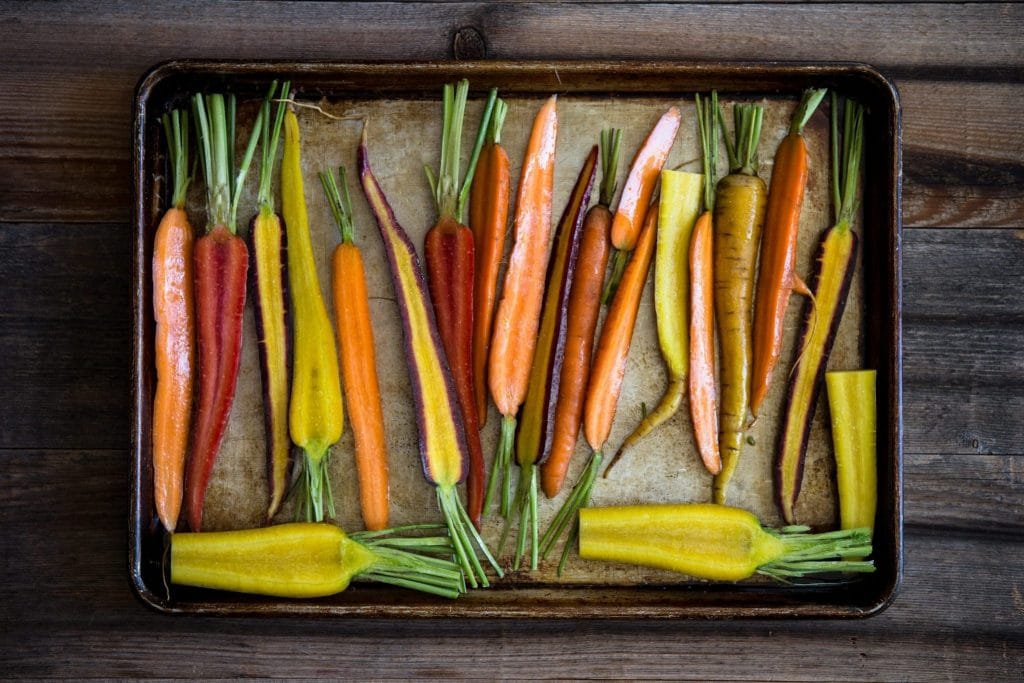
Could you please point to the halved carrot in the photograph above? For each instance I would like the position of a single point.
(174, 346)
(514, 336)
(606, 376)
(777, 277)
(638, 191)
(358, 361)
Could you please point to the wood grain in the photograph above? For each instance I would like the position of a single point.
(64, 122)
(958, 614)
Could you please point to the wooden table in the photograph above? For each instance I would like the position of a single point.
(67, 77)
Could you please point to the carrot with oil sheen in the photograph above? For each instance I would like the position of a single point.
(606, 375)
(514, 337)
(536, 419)
(835, 264)
(174, 346)
(358, 359)
(442, 442)
(738, 219)
(268, 284)
(449, 255)
(584, 307)
(221, 265)
(777, 278)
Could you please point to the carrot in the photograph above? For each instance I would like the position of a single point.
(584, 307)
(358, 361)
(606, 376)
(448, 252)
(835, 263)
(442, 435)
(518, 316)
(268, 284)
(536, 417)
(488, 216)
(308, 560)
(221, 263)
(679, 206)
(854, 418)
(175, 341)
(703, 389)
(315, 414)
(738, 217)
(716, 542)
(638, 191)
(777, 278)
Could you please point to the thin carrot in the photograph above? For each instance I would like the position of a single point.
(703, 389)
(175, 341)
(739, 215)
(358, 361)
(584, 308)
(518, 316)
(448, 253)
(488, 216)
(606, 376)
(221, 264)
(638, 191)
(777, 277)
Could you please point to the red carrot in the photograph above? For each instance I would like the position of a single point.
(221, 264)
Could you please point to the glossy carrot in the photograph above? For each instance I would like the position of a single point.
(358, 360)
(606, 376)
(221, 263)
(488, 217)
(536, 417)
(835, 264)
(702, 385)
(679, 207)
(268, 285)
(442, 439)
(514, 336)
(316, 415)
(584, 308)
(449, 255)
(738, 218)
(174, 345)
(777, 277)
(638, 191)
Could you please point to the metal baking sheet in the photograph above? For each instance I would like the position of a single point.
(401, 110)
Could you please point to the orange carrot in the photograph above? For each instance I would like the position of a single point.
(584, 307)
(638, 191)
(358, 362)
(777, 278)
(175, 343)
(518, 316)
(488, 216)
(702, 386)
(606, 376)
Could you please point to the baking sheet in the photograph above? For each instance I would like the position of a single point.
(401, 103)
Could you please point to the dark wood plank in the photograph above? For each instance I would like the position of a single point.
(64, 125)
(64, 335)
(968, 494)
(64, 516)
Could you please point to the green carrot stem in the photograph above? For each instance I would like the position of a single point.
(611, 147)
(808, 553)
(464, 535)
(315, 486)
(501, 468)
(853, 146)
(340, 203)
(478, 145)
(568, 513)
(747, 119)
(176, 130)
(809, 102)
(497, 122)
(619, 259)
(707, 127)
(271, 135)
(445, 183)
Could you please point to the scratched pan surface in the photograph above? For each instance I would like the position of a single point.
(400, 106)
